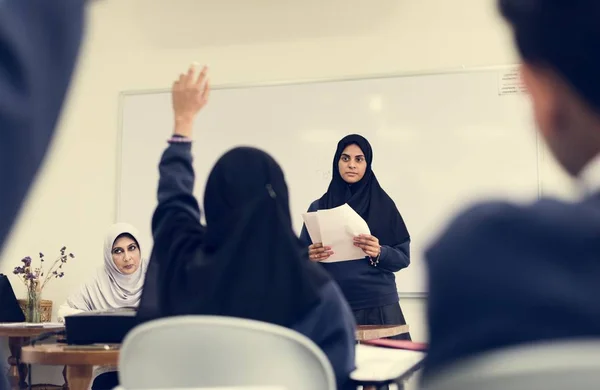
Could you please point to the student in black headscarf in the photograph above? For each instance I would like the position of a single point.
(247, 262)
(368, 284)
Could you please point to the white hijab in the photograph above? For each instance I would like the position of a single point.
(110, 289)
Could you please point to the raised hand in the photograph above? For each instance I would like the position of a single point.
(189, 95)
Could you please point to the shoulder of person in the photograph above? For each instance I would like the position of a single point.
(501, 226)
(314, 206)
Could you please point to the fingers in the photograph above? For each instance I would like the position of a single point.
(318, 252)
(366, 238)
(206, 93)
(189, 79)
(202, 76)
(370, 250)
(369, 244)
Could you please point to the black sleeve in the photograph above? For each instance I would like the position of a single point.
(177, 232)
(395, 258)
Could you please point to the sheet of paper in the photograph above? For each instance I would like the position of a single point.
(311, 222)
(339, 226)
(379, 364)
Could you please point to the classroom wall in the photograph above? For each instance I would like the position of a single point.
(144, 44)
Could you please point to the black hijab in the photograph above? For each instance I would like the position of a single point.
(251, 264)
(366, 197)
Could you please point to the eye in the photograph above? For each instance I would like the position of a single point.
(132, 248)
(117, 251)
(345, 158)
(360, 159)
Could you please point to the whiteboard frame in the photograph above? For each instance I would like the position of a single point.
(457, 70)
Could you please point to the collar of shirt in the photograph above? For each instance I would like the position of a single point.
(589, 177)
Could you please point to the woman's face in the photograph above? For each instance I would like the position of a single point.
(126, 255)
(352, 164)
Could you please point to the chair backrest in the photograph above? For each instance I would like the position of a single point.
(559, 365)
(205, 351)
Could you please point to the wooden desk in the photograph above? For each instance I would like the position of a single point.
(17, 337)
(79, 362)
(372, 332)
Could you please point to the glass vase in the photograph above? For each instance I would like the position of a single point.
(33, 309)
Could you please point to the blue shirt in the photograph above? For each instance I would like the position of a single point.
(503, 275)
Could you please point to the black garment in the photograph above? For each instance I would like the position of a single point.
(106, 381)
(248, 263)
(366, 197)
(39, 43)
(382, 315)
(504, 275)
(364, 285)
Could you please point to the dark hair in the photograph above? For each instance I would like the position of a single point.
(563, 35)
(128, 235)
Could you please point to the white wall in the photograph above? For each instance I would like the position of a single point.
(144, 44)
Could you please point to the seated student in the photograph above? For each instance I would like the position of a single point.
(248, 262)
(118, 284)
(504, 274)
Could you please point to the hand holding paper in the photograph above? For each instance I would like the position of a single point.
(336, 228)
(369, 244)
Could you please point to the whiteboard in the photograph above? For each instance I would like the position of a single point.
(440, 142)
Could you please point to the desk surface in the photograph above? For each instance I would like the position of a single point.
(59, 355)
(27, 331)
(372, 332)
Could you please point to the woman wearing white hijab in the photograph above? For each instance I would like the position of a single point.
(118, 284)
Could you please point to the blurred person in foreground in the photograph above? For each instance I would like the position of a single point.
(39, 44)
(504, 274)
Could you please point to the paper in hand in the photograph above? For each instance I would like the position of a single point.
(338, 227)
(311, 221)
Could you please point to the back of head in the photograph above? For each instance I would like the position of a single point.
(252, 264)
(240, 179)
(563, 35)
(558, 42)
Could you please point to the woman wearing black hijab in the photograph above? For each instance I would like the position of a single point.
(247, 262)
(368, 284)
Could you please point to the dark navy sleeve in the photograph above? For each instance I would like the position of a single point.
(39, 44)
(177, 207)
(477, 298)
(395, 258)
(178, 236)
(331, 326)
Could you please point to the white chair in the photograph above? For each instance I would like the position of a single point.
(209, 351)
(559, 365)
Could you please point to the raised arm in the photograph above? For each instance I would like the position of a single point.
(178, 212)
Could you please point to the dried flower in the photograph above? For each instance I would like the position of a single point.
(26, 261)
(35, 281)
